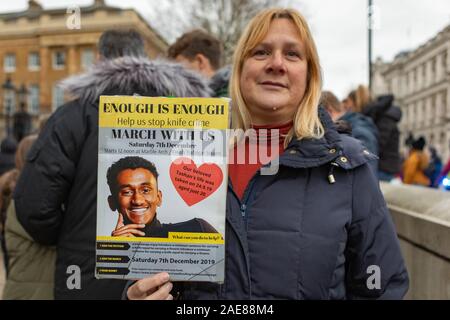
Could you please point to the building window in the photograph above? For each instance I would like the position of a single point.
(57, 97)
(87, 58)
(34, 62)
(10, 62)
(9, 102)
(59, 59)
(33, 99)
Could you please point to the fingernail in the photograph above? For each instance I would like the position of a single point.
(142, 225)
(165, 277)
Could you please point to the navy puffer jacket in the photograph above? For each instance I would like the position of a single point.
(363, 129)
(298, 236)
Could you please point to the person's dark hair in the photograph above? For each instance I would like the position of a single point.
(419, 144)
(198, 41)
(119, 43)
(128, 163)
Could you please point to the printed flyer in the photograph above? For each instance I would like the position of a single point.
(162, 184)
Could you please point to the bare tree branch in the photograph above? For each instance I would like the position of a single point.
(226, 19)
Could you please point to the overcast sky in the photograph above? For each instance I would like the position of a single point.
(339, 28)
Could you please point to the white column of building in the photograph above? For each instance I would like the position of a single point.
(420, 115)
(410, 82)
(447, 143)
(439, 115)
(405, 117)
(428, 112)
(447, 71)
(447, 118)
(447, 107)
(429, 74)
(420, 78)
(412, 115)
(439, 69)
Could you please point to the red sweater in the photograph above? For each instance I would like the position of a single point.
(254, 152)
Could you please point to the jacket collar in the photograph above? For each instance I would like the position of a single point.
(333, 148)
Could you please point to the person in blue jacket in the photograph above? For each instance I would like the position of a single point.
(362, 127)
(317, 226)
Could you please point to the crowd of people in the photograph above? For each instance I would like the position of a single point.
(309, 231)
(375, 124)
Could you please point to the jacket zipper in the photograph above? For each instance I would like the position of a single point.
(243, 204)
(243, 207)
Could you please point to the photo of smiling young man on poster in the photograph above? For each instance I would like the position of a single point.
(133, 183)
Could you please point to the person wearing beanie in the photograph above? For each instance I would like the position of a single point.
(415, 165)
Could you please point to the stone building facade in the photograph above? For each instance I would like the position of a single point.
(39, 47)
(420, 81)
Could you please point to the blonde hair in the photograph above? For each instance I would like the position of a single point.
(306, 119)
(360, 97)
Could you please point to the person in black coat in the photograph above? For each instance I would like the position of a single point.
(386, 117)
(362, 127)
(56, 196)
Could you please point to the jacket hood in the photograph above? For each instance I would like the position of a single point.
(385, 100)
(394, 113)
(131, 75)
(383, 106)
(221, 79)
(385, 103)
(379, 106)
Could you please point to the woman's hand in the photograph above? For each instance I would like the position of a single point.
(156, 287)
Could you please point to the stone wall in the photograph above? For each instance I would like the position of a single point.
(422, 219)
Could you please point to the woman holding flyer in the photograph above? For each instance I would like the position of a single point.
(308, 222)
